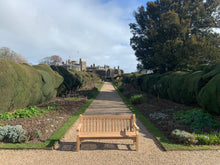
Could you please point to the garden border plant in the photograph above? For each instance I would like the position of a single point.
(163, 141)
(55, 138)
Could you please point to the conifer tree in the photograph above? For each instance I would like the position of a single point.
(174, 35)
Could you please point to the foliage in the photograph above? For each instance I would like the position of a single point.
(12, 134)
(175, 35)
(199, 87)
(209, 96)
(6, 116)
(22, 85)
(159, 115)
(70, 81)
(39, 135)
(91, 93)
(196, 119)
(6, 53)
(137, 99)
(208, 139)
(31, 111)
(183, 137)
(121, 89)
(74, 80)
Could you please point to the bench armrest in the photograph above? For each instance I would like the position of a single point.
(79, 128)
(136, 128)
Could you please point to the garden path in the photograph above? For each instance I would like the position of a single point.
(106, 152)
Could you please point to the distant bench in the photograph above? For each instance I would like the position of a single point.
(107, 127)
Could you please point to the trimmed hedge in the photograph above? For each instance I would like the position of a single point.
(70, 82)
(74, 80)
(22, 85)
(201, 86)
(86, 78)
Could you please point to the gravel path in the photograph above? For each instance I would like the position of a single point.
(99, 152)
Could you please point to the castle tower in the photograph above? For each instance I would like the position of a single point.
(80, 63)
(119, 72)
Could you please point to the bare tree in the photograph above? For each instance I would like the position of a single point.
(8, 54)
(52, 60)
(20, 59)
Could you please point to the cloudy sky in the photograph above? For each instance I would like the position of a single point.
(95, 30)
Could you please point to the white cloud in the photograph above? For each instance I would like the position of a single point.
(97, 32)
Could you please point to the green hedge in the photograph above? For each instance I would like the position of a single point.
(201, 86)
(22, 85)
(74, 80)
(70, 82)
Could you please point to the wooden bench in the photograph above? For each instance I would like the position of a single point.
(107, 127)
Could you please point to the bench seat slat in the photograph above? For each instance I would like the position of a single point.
(105, 134)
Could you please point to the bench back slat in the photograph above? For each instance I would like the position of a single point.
(106, 123)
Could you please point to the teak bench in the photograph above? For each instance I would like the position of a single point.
(107, 127)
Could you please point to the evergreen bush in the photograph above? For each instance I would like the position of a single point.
(74, 80)
(137, 99)
(183, 137)
(199, 87)
(23, 85)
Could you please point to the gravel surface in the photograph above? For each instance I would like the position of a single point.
(99, 152)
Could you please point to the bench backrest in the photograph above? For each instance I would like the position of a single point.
(107, 123)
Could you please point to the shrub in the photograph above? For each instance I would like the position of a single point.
(119, 84)
(196, 119)
(137, 99)
(12, 134)
(70, 82)
(121, 89)
(159, 115)
(209, 96)
(6, 116)
(31, 111)
(23, 85)
(74, 80)
(183, 137)
(200, 87)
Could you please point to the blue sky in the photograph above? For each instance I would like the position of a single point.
(95, 30)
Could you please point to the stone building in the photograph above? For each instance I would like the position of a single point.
(100, 70)
(81, 66)
(105, 71)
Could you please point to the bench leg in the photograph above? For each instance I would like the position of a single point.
(137, 142)
(78, 144)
